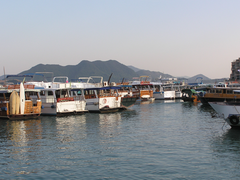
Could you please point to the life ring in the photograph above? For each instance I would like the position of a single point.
(104, 101)
(234, 120)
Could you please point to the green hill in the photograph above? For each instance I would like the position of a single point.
(86, 69)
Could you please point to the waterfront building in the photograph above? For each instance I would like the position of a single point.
(235, 75)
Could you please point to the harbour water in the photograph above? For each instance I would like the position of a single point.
(159, 140)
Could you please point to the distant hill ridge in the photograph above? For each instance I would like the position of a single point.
(100, 68)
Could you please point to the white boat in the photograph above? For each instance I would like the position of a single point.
(229, 111)
(165, 92)
(128, 99)
(98, 98)
(158, 92)
(169, 92)
(57, 98)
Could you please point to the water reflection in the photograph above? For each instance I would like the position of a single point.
(71, 128)
(112, 119)
(21, 132)
(109, 123)
(147, 102)
(169, 101)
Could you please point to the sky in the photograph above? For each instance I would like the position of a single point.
(176, 37)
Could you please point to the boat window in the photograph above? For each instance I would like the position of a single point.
(91, 92)
(57, 93)
(229, 91)
(31, 93)
(3, 96)
(212, 91)
(79, 92)
(236, 92)
(42, 93)
(50, 93)
(218, 91)
(64, 92)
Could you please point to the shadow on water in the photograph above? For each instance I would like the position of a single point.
(228, 142)
(206, 108)
(189, 104)
(230, 136)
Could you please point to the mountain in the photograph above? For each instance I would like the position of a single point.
(86, 69)
(134, 68)
(155, 75)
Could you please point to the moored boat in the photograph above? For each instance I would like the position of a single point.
(189, 95)
(219, 94)
(101, 97)
(143, 88)
(57, 99)
(128, 99)
(16, 104)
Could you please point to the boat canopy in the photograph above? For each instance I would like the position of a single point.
(189, 91)
(125, 85)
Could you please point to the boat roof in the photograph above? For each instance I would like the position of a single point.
(11, 90)
(97, 88)
(122, 85)
(189, 90)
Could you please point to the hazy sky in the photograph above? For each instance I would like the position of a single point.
(177, 37)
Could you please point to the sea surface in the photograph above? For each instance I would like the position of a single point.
(159, 140)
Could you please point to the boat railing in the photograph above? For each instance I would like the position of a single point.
(61, 99)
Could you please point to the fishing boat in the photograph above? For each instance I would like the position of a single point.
(16, 104)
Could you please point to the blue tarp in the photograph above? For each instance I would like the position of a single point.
(23, 75)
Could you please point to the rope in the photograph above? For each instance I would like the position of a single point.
(236, 109)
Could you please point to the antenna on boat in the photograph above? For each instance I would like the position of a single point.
(122, 81)
(109, 78)
(4, 75)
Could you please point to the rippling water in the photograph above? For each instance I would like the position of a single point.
(160, 140)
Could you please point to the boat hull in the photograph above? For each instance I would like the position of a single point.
(64, 108)
(230, 112)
